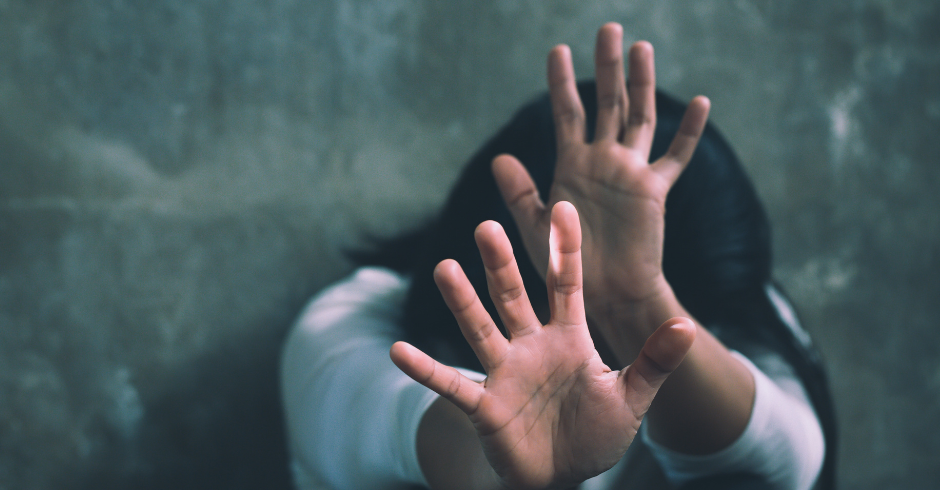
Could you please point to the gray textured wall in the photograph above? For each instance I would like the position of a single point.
(177, 177)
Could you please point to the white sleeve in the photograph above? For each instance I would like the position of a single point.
(783, 441)
(352, 415)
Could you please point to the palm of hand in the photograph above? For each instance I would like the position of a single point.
(622, 208)
(550, 413)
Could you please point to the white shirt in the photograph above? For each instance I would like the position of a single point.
(353, 416)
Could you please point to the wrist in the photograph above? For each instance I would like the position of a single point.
(626, 322)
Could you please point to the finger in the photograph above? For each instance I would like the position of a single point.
(475, 323)
(680, 152)
(443, 380)
(641, 118)
(504, 281)
(567, 110)
(662, 353)
(564, 269)
(611, 91)
(527, 209)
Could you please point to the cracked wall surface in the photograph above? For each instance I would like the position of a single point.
(178, 177)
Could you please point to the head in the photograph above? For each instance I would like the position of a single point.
(717, 238)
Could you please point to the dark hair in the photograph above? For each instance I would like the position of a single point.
(716, 257)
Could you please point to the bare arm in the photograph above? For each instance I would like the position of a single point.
(621, 197)
(706, 403)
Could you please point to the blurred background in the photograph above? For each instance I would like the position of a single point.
(178, 177)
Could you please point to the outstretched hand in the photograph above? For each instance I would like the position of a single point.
(620, 195)
(550, 413)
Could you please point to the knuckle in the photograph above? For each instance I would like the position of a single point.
(480, 333)
(610, 101)
(569, 118)
(567, 289)
(461, 308)
(510, 295)
(641, 119)
(567, 283)
(427, 378)
(453, 387)
(526, 194)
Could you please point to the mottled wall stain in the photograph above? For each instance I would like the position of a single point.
(178, 177)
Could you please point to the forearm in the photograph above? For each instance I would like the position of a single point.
(449, 451)
(706, 403)
(782, 445)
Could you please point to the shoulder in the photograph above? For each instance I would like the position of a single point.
(362, 308)
(367, 292)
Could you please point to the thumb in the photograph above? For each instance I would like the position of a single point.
(528, 210)
(662, 353)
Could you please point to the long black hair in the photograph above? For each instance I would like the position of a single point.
(716, 257)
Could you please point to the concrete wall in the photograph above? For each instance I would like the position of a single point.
(178, 177)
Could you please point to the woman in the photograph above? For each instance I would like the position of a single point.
(552, 412)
